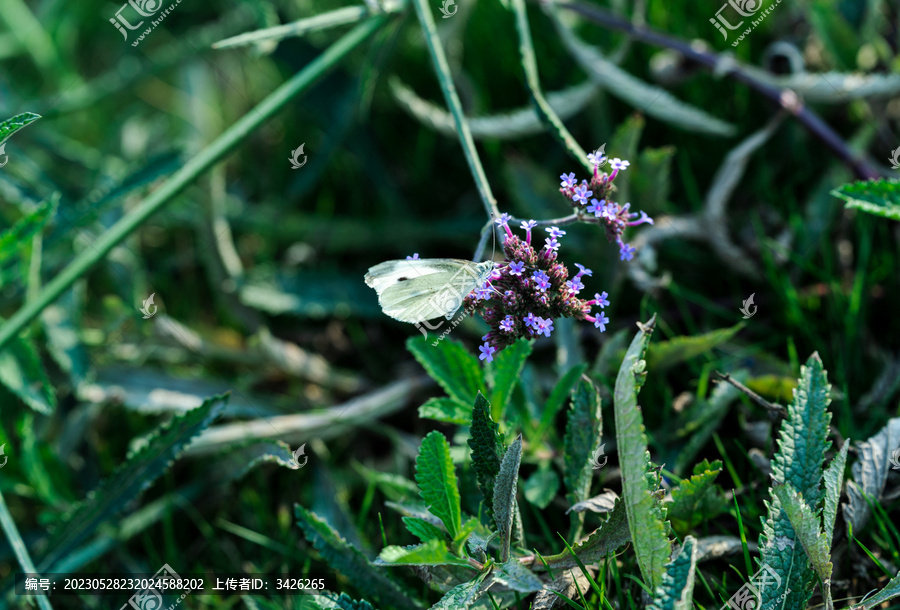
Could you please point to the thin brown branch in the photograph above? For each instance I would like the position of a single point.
(772, 407)
(726, 66)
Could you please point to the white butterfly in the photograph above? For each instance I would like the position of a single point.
(416, 290)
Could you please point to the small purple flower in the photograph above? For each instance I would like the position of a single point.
(414, 257)
(597, 208)
(546, 327)
(574, 285)
(555, 232)
(600, 299)
(531, 320)
(597, 158)
(581, 194)
(626, 252)
(583, 271)
(542, 280)
(503, 221)
(568, 181)
(487, 351)
(528, 225)
(516, 268)
(618, 164)
(483, 293)
(507, 324)
(601, 322)
(551, 243)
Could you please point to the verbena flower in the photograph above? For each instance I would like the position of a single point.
(413, 257)
(533, 290)
(613, 217)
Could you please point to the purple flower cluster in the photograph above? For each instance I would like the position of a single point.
(529, 290)
(594, 197)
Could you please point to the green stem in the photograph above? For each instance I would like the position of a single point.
(207, 158)
(544, 111)
(442, 68)
(19, 548)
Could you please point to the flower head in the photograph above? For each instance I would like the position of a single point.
(551, 243)
(626, 252)
(414, 257)
(583, 271)
(541, 279)
(597, 158)
(597, 208)
(601, 299)
(568, 180)
(601, 322)
(507, 324)
(618, 164)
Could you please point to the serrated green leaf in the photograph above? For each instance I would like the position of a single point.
(808, 529)
(870, 473)
(802, 445)
(423, 530)
(14, 124)
(505, 495)
(677, 586)
(430, 553)
(343, 602)
(466, 529)
(890, 591)
(447, 410)
(646, 518)
(487, 449)
(696, 499)
(880, 197)
(22, 373)
(583, 430)
(613, 533)
(437, 481)
(558, 395)
(448, 363)
(461, 597)
(348, 561)
(541, 487)
(503, 373)
(517, 577)
(138, 472)
(666, 354)
(834, 482)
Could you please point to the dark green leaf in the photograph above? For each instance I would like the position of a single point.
(505, 495)
(437, 481)
(487, 448)
(879, 197)
(448, 363)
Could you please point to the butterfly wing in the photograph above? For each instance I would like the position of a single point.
(421, 289)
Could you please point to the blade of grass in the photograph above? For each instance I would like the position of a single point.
(544, 111)
(442, 70)
(199, 164)
(18, 547)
